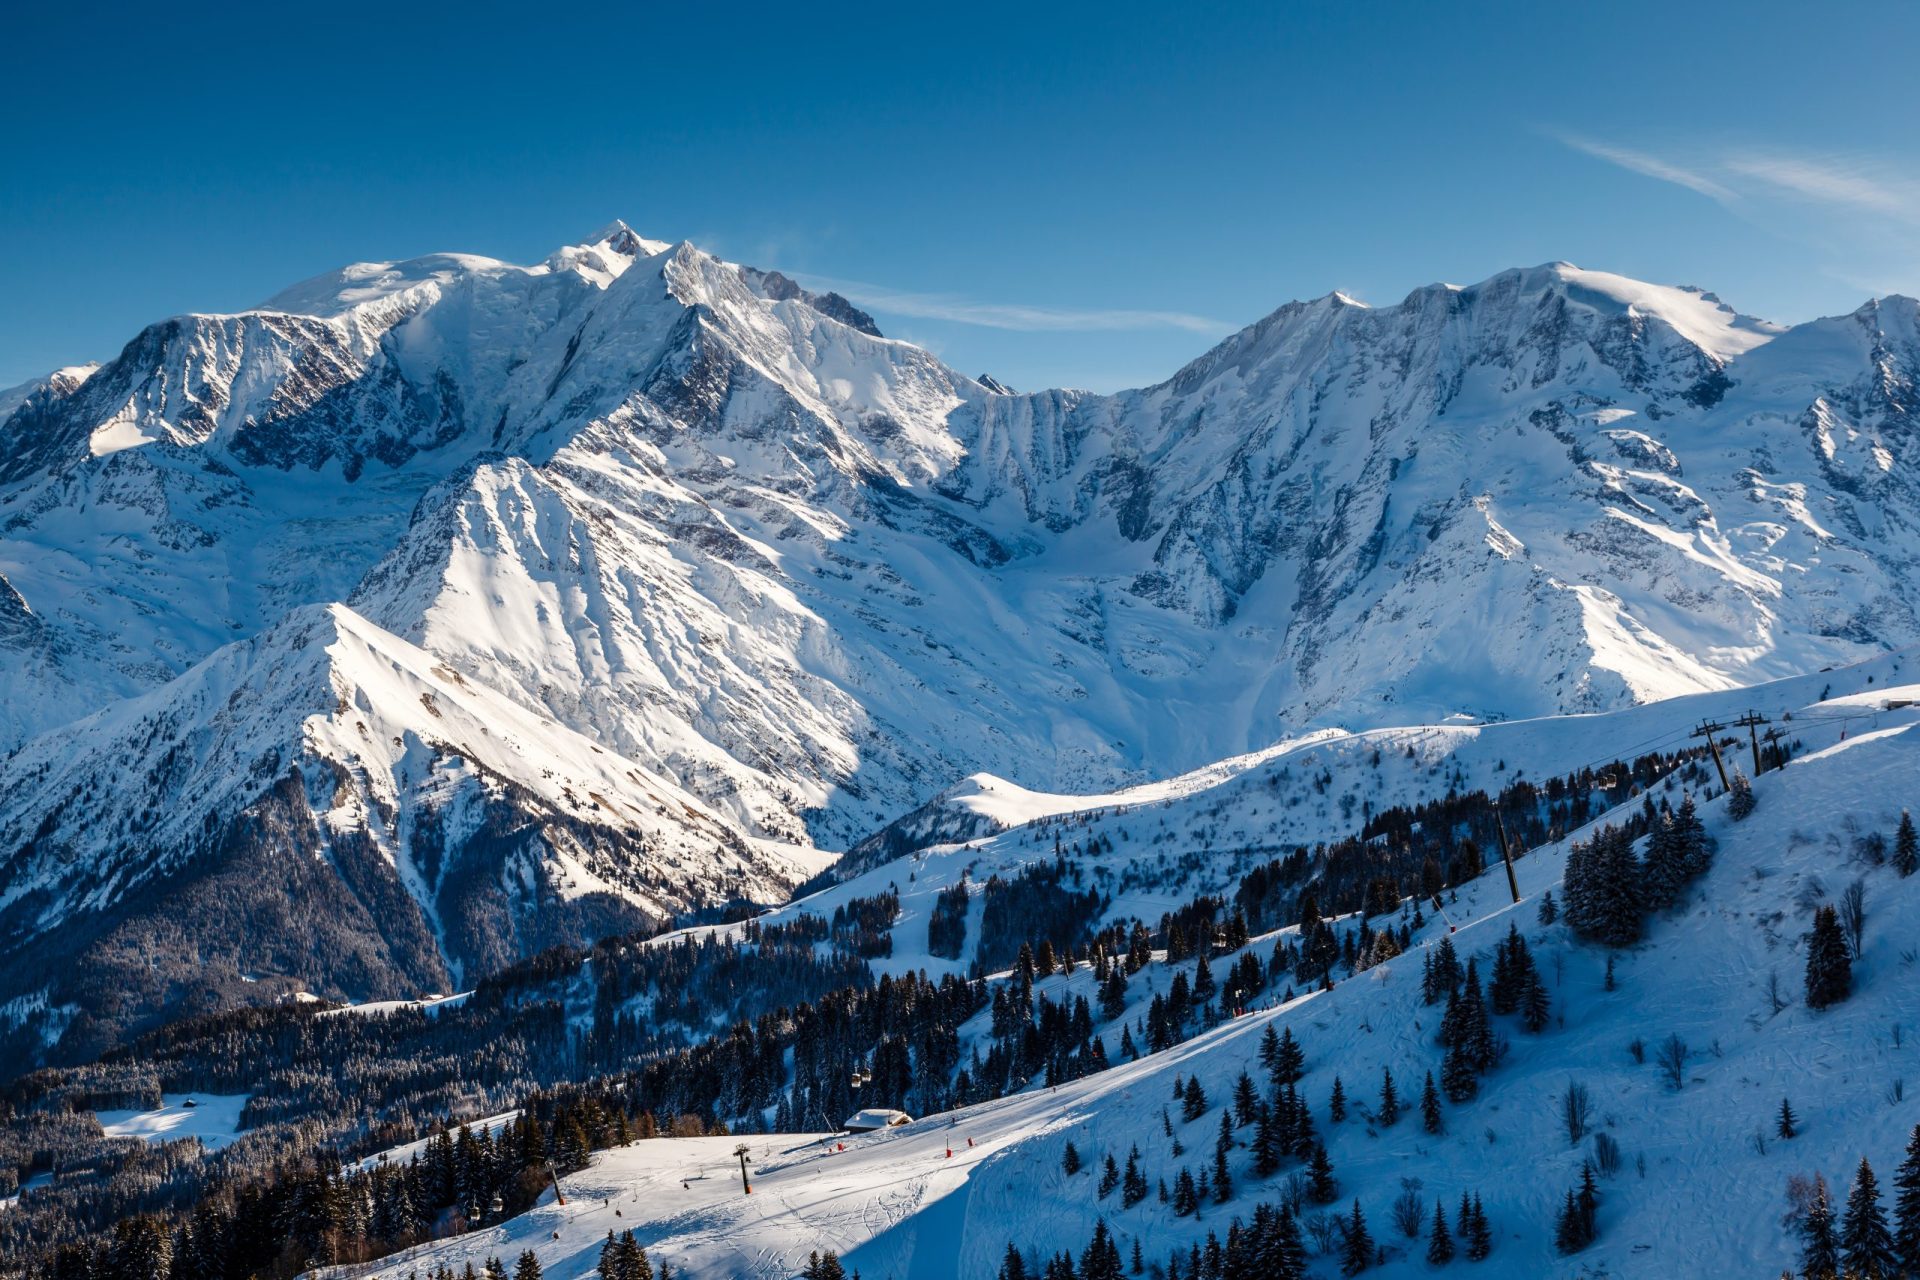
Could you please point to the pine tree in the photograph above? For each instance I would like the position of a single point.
(570, 1146)
(1664, 872)
(1500, 992)
(1267, 1148)
(1287, 1254)
(1819, 1250)
(1070, 1160)
(1449, 1030)
(1576, 885)
(1133, 1183)
(1785, 1126)
(1222, 1176)
(1301, 1126)
(1446, 965)
(1471, 1030)
(1477, 1232)
(1906, 1207)
(1457, 1076)
(1739, 797)
(1357, 1254)
(1439, 1239)
(1829, 966)
(1616, 889)
(1109, 1177)
(1866, 1246)
(1012, 1265)
(1389, 1113)
(1430, 1114)
(1246, 1099)
(1536, 1007)
(1548, 914)
(1193, 1102)
(1186, 1194)
(635, 1265)
(1290, 1061)
(1522, 969)
(1569, 1230)
(528, 1267)
(1906, 847)
(1320, 1182)
(1588, 1200)
(1337, 1102)
(1203, 984)
(1101, 1261)
(1696, 846)
(823, 1266)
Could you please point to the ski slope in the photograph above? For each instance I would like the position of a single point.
(1701, 1184)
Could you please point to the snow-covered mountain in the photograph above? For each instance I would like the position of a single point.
(794, 579)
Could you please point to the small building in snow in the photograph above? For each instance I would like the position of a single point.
(875, 1118)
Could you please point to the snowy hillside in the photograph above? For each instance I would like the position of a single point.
(804, 579)
(898, 1204)
(1155, 846)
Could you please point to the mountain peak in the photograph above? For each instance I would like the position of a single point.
(624, 240)
(1699, 317)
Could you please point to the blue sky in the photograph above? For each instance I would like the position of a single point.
(1081, 195)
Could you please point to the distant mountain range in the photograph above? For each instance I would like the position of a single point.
(437, 611)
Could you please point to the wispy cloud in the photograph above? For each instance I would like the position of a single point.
(1732, 176)
(1651, 166)
(1859, 213)
(1015, 316)
(1845, 181)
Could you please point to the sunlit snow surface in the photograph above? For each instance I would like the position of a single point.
(425, 1004)
(214, 1119)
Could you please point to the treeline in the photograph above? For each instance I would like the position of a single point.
(352, 1083)
(1609, 891)
(317, 1211)
(1443, 843)
(1043, 901)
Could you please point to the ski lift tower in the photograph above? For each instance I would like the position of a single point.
(745, 1160)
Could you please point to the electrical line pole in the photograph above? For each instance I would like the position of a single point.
(741, 1151)
(1706, 730)
(1506, 854)
(1751, 722)
(1775, 751)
